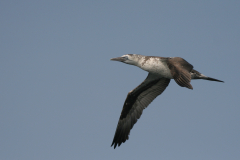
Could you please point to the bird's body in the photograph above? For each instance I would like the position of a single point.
(161, 71)
(155, 65)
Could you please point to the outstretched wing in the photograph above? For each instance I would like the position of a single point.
(180, 70)
(137, 100)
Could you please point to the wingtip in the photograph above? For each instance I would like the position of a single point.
(115, 145)
(189, 86)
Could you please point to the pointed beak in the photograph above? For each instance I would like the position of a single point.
(120, 59)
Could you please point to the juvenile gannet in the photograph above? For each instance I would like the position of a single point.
(161, 71)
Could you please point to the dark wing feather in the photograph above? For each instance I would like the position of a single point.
(180, 70)
(137, 100)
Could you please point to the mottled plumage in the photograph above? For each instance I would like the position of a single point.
(161, 71)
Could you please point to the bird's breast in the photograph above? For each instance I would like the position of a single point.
(156, 66)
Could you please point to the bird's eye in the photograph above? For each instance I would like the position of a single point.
(126, 57)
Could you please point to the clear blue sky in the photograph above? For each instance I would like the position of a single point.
(61, 96)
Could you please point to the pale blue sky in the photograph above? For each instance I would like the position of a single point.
(61, 96)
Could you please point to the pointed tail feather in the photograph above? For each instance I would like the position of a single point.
(212, 79)
(197, 75)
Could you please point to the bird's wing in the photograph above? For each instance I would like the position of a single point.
(180, 70)
(137, 100)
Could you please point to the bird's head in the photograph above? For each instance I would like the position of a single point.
(131, 59)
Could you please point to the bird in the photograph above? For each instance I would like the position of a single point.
(161, 71)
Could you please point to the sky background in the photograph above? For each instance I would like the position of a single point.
(61, 96)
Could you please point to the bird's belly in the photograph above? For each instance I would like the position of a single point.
(158, 68)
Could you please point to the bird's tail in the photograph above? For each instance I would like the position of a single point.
(197, 75)
(211, 79)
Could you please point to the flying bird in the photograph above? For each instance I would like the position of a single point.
(161, 71)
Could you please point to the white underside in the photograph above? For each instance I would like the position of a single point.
(155, 66)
